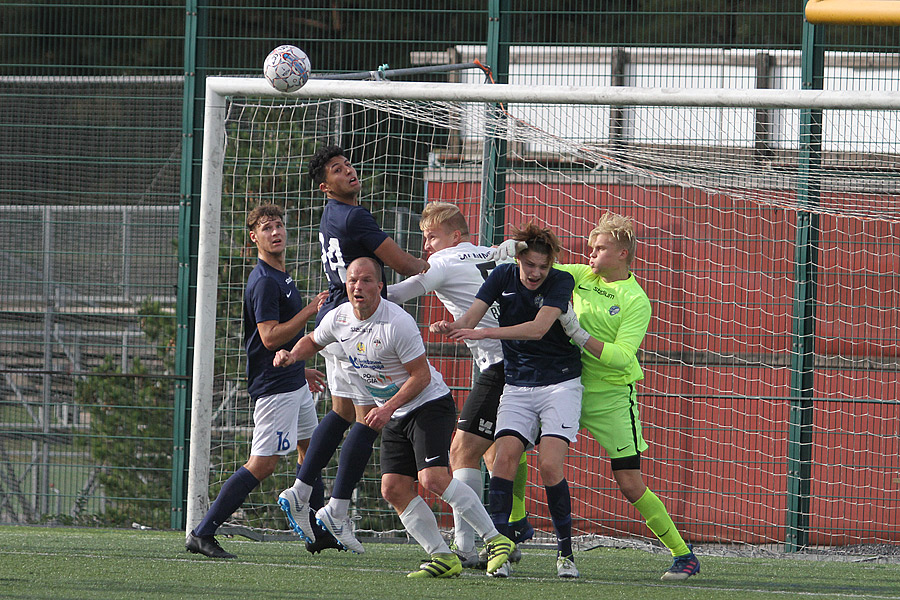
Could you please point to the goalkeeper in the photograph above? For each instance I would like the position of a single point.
(614, 313)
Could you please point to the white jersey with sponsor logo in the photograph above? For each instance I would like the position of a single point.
(378, 348)
(455, 276)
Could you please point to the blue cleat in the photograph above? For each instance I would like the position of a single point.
(683, 567)
(297, 511)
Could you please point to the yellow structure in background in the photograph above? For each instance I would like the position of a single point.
(853, 12)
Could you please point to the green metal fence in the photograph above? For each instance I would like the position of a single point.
(100, 128)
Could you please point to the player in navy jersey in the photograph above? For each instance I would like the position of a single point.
(414, 408)
(458, 269)
(284, 416)
(542, 394)
(610, 319)
(347, 231)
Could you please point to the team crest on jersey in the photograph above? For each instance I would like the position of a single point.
(614, 310)
(377, 343)
(361, 347)
(539, 300)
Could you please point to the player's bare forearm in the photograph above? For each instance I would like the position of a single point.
(399, 260)
(419, 378)
(275, 335)
(469, 334)
(304, 349)
(594, 346)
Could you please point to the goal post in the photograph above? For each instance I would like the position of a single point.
(715, 201)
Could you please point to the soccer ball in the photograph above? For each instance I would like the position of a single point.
(287, 68)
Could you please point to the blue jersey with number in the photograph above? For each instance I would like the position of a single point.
(270, 296)
(346, 233)
(532, 363)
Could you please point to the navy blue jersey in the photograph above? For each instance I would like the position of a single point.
(270, 296)
(551, 359)
(345, 234)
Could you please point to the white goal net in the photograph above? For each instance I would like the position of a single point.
(769, 238)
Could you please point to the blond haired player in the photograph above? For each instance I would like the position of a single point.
(458, 268)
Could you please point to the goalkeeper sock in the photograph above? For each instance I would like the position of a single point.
(233, 493)
(660, 523)
(518, 501)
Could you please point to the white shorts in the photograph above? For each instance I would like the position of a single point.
(342, 378)
(280, 420)
(546, 410)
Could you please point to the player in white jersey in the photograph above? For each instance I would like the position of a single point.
(458, 269)
(414, 411)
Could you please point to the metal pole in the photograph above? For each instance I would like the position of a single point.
(205, 313)
(183, 300)
(493, 181)
(806, 249)
(43, 488)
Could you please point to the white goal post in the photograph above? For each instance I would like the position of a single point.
(689, 160)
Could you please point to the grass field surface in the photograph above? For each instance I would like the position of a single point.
(68, 563)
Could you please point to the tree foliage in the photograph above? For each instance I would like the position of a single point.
(130, 428)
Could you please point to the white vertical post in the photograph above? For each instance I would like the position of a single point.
(205, 311)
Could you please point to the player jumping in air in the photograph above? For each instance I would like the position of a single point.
(347, 231)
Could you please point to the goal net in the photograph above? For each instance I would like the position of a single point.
(769, 238)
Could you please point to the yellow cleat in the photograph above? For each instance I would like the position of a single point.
(440, 566)
(499, 549)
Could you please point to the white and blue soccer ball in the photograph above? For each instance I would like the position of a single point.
(287, 68)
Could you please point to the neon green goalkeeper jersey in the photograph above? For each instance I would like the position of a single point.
(618, 315)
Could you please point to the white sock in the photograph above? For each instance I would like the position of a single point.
(338, 507)
(469, 506)
(463, 534)
(303, 490)
(421, 524)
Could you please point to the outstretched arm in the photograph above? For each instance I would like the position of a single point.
(406, 290)
(530, 330)
(470, 319)
(305, 348)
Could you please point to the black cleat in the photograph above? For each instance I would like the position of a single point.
(206, 545)
(324, 541)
